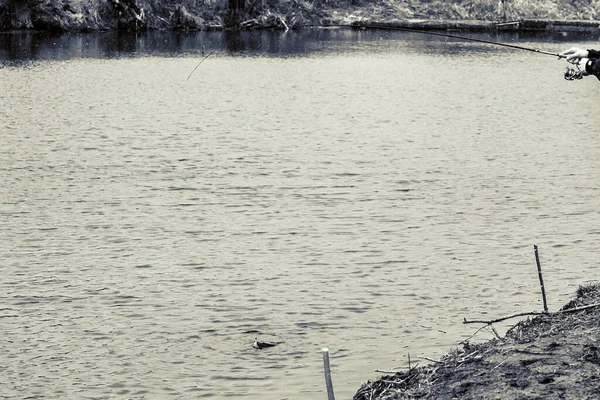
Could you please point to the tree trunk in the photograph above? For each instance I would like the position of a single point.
(235, 13)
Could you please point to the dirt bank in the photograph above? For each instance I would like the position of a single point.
(551, 356)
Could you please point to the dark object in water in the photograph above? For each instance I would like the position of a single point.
(262, 345)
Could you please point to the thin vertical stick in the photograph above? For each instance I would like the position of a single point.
(539, 267)
(328, 382)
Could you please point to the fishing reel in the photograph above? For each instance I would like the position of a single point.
(572, 74)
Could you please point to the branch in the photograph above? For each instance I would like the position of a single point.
(570, 310)
(383, 371)
(492, 321)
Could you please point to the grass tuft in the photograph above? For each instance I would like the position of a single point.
(586, 290)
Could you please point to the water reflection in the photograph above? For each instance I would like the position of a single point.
(22, 45)
(269, 42)
(29, 46)
(123, 42)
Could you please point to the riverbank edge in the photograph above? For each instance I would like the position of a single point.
(550, 356)
(525, 25)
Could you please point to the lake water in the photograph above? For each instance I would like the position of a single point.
(361, 191)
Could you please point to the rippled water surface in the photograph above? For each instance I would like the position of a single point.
(353, 190)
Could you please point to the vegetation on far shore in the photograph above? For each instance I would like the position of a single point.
(550, 356)
(89, 15)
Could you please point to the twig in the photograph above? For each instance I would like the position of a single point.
(492, 370)
(383, 371)
(495, 332)
(284, 24)
(465, 358)
(249, 22)
(431, 359)
(408, 378)
(470, 337)
(479, 321)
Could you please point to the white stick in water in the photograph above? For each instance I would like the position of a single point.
(328, 382)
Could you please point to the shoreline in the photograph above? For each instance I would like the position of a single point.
(550, 356)
(525, 25)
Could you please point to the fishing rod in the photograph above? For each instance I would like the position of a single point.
(427, 32)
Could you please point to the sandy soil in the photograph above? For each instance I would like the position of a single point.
(551, 356)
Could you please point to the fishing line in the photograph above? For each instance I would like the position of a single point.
(569, 73)
(201, 61)
(447, 35)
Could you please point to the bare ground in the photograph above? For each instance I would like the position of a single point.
(550, 356)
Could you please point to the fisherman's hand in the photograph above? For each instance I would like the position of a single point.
(574, 55)
(582, 64)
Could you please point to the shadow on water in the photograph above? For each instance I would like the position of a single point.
(24, 47)
(267, 42)
(122, 42)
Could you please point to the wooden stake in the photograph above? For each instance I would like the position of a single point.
(539, 268)
(328, 382)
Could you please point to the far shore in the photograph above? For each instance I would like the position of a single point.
(143, 15)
